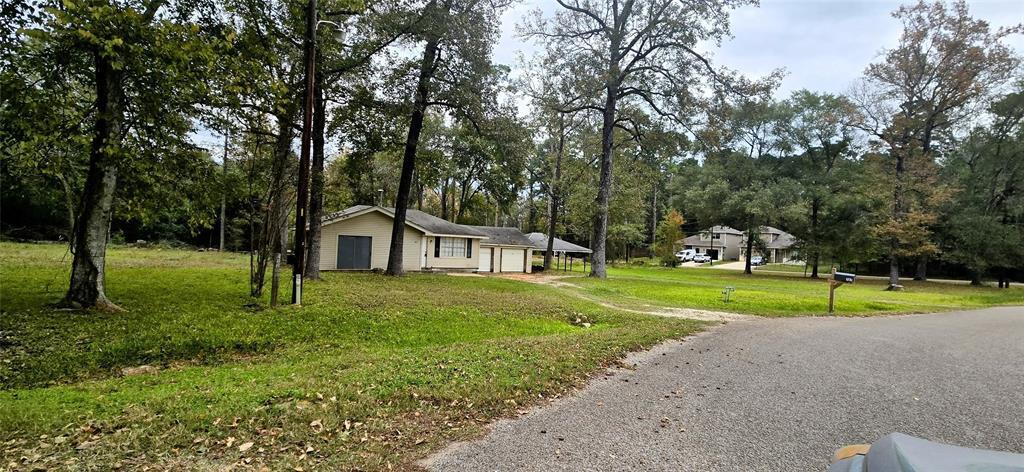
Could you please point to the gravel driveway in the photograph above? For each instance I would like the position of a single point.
(778, 395)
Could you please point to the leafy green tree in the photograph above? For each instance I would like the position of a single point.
(670, 232)
(984, 224)
(817, 129)
(142, 65)
(452, 73)
(946, 63)
(633, 54)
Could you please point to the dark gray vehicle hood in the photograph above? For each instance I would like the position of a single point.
(901, 453)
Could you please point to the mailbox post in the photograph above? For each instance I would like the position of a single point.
(837, 280)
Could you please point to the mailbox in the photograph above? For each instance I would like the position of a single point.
(844, 277)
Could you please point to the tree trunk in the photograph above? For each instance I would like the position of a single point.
(316, 184)
(280, 248)
(93, 226)
(922, 268)
(444, 199)
(555, 187)
(531, 219)
(897, 213)
(816, 251)
(750, 249)
(69, 208)
(277, 213)
(604, 190)
(275, 279)
(654, 215)
(894, 273)
(409, 158)
(223, 193)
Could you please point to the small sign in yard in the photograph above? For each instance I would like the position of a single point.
(726, 293)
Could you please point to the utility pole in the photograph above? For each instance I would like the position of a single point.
(302, 199)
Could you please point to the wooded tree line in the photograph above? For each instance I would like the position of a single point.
(619, 119)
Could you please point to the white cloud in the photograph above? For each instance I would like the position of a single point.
(824, 45)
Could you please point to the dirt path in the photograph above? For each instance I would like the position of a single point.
(561, 281)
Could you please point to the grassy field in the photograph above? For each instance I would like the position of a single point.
(372, 373)
(795, 268)
(781, 294)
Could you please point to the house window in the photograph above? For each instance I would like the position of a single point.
(453, 247)
(716, 236)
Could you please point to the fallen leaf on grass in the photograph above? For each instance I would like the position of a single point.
(245, 446)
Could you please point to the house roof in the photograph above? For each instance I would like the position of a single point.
(723, 229)
(695, 240)
(540, 241)
(784, 241)
(428, 224)
(503, 236)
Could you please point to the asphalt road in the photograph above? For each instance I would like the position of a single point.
(778, 395)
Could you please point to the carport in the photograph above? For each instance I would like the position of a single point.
(564, 252)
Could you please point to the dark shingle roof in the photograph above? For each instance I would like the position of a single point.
(435, 225)
(540, 242)
(503, 236)
(429, 223)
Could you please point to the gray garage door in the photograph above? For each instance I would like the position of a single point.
(354, 252)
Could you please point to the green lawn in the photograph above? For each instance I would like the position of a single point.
(781, 294)
(372, 373)
(795, 268)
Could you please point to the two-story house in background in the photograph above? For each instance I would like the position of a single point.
(726, 243)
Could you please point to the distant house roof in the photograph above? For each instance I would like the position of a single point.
(503, 236)
(723, 229)
(784, 241)
(698, 240)
(428, 224)
(695, 240)
(540, 242)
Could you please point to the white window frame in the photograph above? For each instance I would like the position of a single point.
(453, 247)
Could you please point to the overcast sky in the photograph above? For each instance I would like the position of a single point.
(823, 45)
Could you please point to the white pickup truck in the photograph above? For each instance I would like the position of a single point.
(686, 255)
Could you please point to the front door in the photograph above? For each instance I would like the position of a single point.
(354, 252)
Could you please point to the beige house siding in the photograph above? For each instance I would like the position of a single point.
(377, 226)
(732, 246)
(454, 263)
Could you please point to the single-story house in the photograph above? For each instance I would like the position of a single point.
(719, 242)
(359, 238)
(504, 250)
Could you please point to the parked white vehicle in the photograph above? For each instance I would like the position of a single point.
(701, 258)
(686, 255)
